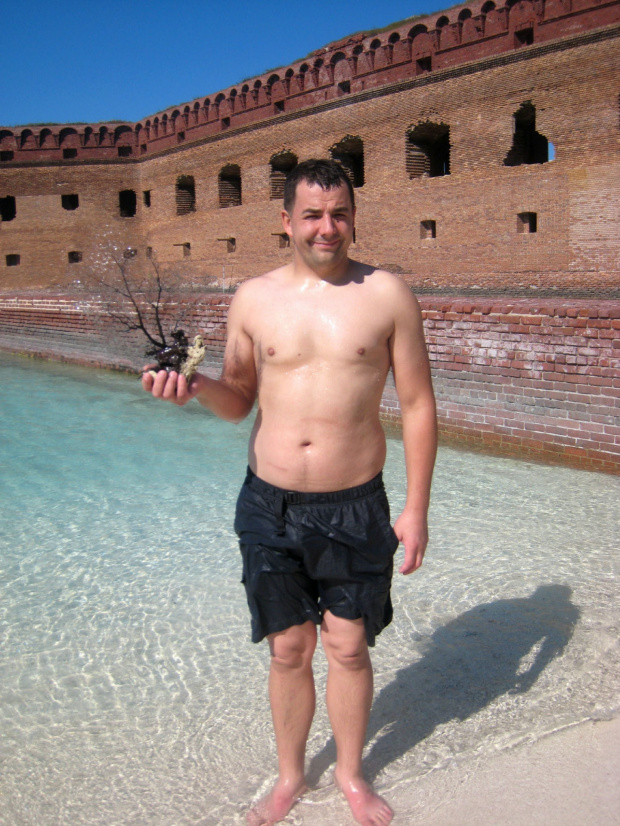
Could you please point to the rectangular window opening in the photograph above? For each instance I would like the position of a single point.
(124, 151)
(70, 202)
(278, 106)
(143, 149)
(69, 153)
(146, 197)
(8, 208)
(127, 203)
(344, 88)
(225, 123)
(6, 155)
(428, 230)
(527, 223)
(74, 257)
(180, 137)
(13, 260)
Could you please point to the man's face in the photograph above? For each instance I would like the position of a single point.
(320, 226)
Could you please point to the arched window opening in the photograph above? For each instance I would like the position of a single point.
(528, 145)
(443, 21)
(281, 165)
(487, 7)
(185, 195)
(464, 15)
(127, 203)
(427, 153)
(349, 153)
(229, 186)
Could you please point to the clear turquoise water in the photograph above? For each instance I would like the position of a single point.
(129, 691)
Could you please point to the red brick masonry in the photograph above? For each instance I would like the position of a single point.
(534, 378)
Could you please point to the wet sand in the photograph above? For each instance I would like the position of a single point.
(568, 778)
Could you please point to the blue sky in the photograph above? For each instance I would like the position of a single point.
(90, 61)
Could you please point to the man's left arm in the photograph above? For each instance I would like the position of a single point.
(412, 378)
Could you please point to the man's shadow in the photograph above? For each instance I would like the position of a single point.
(465, 665)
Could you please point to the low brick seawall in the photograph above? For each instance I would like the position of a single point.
(535, 378)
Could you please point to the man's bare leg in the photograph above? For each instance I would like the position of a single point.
(349, 697)
(291, 692)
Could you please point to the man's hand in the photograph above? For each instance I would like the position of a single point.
(171, 387)
(412, 530)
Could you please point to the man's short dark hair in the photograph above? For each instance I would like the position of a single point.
(326, 173)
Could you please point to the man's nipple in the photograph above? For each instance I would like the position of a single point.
(361, 351)
(271, 351)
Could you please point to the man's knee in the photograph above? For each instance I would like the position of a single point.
(294, 647)
(344, 642)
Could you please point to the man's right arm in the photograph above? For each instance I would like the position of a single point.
(231, 397)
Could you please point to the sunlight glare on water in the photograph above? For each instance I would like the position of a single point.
(129, 690)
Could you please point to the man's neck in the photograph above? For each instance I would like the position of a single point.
(337, 274)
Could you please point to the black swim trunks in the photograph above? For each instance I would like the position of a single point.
(305, 553)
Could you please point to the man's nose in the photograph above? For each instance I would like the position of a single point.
(327, 227)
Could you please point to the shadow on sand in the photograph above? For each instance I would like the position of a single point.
(464, 666)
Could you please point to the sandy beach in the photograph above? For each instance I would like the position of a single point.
(568, 778)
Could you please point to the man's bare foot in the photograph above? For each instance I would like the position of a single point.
(368, 808)
(277, 804)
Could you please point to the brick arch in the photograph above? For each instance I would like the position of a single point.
(349, 153)
(427, 150)
(47, 139)
(229, 186)
(27, 139)
(280, 165)
(68, 138)
(123, 136)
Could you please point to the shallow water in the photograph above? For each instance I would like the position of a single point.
(129, 690)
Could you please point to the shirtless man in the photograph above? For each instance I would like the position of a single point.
(314, 340)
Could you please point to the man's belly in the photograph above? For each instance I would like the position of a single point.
(316, 454)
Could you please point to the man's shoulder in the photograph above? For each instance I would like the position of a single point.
(258, 285)
(387, 283)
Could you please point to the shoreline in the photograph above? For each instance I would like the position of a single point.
(565, 778)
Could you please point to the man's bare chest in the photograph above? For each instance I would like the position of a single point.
(334, 336)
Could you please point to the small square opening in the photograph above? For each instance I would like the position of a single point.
(180, 137)
(13, 260)
(225, 123)
(424, 65)
(74, 257)
(344, 88)
(284, 242)
(143, 149)
(525, 37)
(69, 153)
(124, 151)
(428, 230)
(70, 202)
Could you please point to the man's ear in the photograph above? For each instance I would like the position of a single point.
(286, 223)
